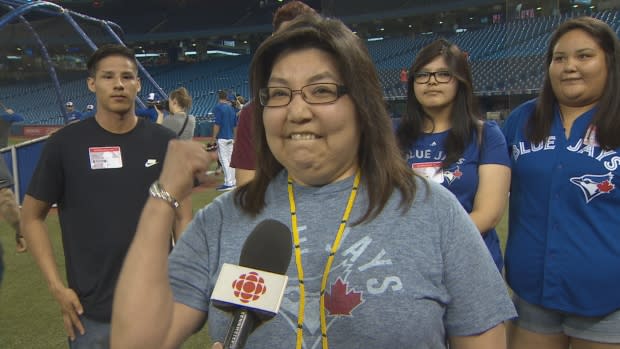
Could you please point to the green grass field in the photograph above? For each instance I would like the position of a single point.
(29, 316)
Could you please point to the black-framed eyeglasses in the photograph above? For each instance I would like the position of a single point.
(442, 77)
(319, 93)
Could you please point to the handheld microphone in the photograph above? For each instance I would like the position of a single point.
(253, 290)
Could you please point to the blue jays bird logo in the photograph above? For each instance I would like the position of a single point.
(594, 185)
(450, 176)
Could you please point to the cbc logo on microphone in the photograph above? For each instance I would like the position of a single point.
(249, 287)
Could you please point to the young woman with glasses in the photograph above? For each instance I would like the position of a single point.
(444, 140)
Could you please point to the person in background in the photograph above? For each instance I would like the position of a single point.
(232, 99)
(404, 251)
(98, 171)
(90, 111)
(563, 249)
(241, 102)
(9, 208)
(179, 120)
(71, 114)
(404, 78)
(243, 157)
(444, 140)
(151, 112)
(224, 134)
(7, 118)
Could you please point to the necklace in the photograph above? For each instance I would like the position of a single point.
(328, 265)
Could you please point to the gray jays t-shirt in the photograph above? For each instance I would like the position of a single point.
(402, 280)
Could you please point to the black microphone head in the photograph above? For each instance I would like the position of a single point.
(268, 247)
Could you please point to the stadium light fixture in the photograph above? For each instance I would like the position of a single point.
(220, 52)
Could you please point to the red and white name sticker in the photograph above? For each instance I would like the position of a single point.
(429, 170)
(105, 157)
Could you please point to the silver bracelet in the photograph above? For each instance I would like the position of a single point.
(157, 191)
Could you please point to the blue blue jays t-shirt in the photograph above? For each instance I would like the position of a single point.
(226, 118)
(461, 178)
(563, 249)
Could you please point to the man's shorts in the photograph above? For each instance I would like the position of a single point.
(603, 329)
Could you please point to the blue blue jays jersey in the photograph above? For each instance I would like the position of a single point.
(11, 117)
(72, 117)
(461, 178)
(147, 113)
(563, 249)
(226, 118)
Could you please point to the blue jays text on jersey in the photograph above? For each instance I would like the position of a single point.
(610, 160)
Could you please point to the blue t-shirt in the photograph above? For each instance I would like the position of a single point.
(73, 116)
(563, 249)
(226, 119)
(461, 178)
(147, 113)
(89, 114)
(11, 117)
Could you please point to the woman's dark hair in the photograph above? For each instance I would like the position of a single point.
(289, 12)
(607, 116)
(382, 167)
(464, 118)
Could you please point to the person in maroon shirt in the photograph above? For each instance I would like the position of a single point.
(243, 156)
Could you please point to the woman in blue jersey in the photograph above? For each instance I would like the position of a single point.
(444, 140)
(563, 251)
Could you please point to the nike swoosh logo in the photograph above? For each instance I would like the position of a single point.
(150, 162)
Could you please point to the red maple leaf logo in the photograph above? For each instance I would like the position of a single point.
(605, 186)
(457, 173)
(341, 301)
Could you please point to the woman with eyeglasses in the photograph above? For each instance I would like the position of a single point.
(444, 140)
(381, 259)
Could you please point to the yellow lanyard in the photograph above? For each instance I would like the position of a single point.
(328, 265)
